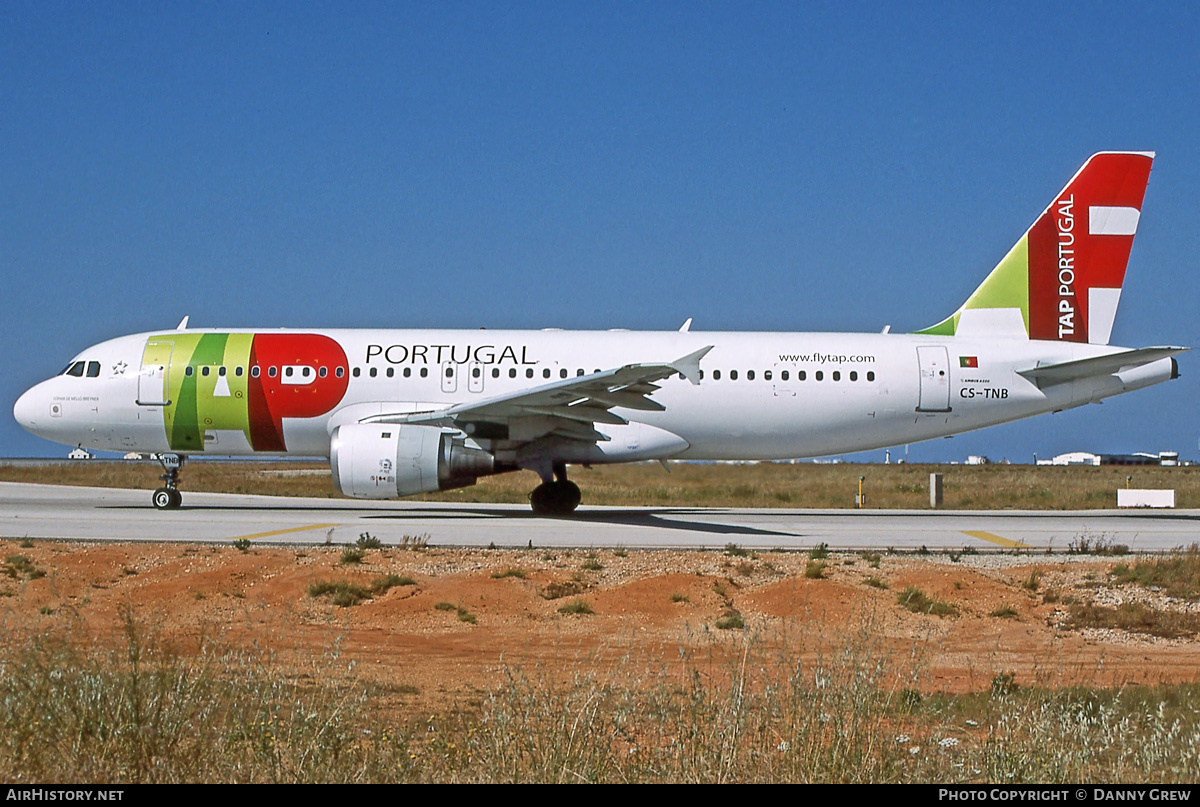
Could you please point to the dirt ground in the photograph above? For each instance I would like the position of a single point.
(467, 615)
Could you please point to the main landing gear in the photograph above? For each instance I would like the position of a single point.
(556, 496)
(168, 496)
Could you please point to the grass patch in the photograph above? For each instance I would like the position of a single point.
(1005, 612)
(20, 566)
(1102, 545)
(511, 572)
(462, 613)
(875, 582)
(344, 594)
(1032, 582)
(677, 597)
(1135, 617)
(736, 551)
(730, 620)
(576, 607)
(558, 590)
(919, 602)
(380, 585)
(592, 564)
(352, 555)
(1176, 575)
(820, 552)
(368, 541)
(815, 570)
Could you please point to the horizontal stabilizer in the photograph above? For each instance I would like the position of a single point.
(1063, 372)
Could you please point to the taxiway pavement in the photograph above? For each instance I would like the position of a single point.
(80, 513)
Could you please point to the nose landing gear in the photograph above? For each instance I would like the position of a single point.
(168, 496)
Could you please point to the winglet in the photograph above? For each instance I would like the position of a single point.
(182, 326)
(687, 326)
(689, 365)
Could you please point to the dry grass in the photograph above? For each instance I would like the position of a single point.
(71, 712)
(800, 485)
(1135, 617)
(1177, 575)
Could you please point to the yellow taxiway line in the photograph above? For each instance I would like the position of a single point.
(996, 539)
(254, 535)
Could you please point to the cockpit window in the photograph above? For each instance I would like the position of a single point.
(93, 369)
(75, 369)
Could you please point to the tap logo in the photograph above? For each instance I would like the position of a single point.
(246, 382)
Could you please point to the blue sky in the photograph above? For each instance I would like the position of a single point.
(773, 166)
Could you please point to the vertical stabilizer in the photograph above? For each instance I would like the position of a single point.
(1062, 280)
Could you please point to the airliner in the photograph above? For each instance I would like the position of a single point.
(402, 412)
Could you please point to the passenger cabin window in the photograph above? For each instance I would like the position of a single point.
(716, 375)
(189, 370)
(341, 371)
(820, 375)
(407, 372)
(255, 371)
(749, 375)
(766, 375)
(783, 375)
(870, 375)
(357, 372)
(853, 375)
(374, 371)
(324, 371)
(837, 375)
(424, 372)
(802, 375)
(237, 371)
(391, 371)
(733, 375)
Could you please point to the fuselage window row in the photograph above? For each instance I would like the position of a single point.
(92, 370)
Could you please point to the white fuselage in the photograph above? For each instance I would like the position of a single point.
(762, 395)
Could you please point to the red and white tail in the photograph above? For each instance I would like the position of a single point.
(1062, 280)
(1079, 248)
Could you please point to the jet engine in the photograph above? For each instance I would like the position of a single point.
(385, 460)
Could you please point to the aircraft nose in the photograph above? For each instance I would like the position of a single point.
(26, 410)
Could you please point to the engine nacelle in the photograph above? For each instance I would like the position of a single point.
(386, 460)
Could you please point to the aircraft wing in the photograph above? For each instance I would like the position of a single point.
(1111, 364)
(568, 408)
